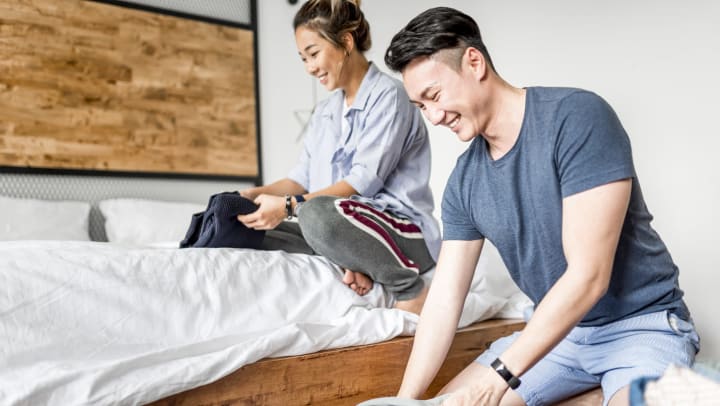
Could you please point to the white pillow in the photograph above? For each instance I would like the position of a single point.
(147, 222)
(32, 219)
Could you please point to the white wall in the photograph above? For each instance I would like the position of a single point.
(656, 62)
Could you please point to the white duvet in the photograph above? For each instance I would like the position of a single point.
(96, 323)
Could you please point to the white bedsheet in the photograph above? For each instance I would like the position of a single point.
(96, 323)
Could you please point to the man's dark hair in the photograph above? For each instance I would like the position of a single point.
(432, 31)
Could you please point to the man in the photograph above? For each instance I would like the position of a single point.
(548, 178)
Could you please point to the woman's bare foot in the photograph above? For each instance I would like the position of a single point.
(415, 304)
(358, 282)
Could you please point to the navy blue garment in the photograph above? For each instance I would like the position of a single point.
(218, 225)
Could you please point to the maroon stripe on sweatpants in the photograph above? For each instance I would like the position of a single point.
(347, 207)
(405, 228)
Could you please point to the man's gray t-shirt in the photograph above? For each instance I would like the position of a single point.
(570, 141)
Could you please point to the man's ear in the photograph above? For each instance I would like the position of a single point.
(475, 61)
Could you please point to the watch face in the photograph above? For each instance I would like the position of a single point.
(497, 365)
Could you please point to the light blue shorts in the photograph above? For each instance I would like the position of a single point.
(612, 355)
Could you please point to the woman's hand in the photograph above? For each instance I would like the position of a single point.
(270, 213)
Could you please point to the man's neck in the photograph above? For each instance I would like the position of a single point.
(508, 111)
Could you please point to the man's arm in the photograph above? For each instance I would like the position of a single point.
(592, 221)
(440, 315)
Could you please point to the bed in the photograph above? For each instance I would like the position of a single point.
(107, 323)
(135, 319)
(118, 120)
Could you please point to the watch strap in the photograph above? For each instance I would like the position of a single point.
(288, 207)
(512, 380)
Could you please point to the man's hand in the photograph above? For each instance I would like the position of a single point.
(488, 391)
(270, 213)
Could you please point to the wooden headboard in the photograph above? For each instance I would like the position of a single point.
(111, 88)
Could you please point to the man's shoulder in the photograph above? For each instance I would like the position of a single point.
(564, 98)
(558, 93)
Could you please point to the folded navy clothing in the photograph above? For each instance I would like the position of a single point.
(218, 225)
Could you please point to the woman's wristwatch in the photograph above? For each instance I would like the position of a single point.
(505, 374)
(288, 207)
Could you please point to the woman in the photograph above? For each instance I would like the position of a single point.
(360, 189)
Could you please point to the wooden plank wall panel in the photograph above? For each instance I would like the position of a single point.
(92, 86)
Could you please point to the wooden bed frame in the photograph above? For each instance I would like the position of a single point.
(343, 376)
(347, 376)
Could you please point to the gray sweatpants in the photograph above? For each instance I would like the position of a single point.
(388, 249)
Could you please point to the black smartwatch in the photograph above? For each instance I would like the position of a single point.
(508, 376)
